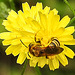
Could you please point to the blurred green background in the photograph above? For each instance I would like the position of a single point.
(8, 65)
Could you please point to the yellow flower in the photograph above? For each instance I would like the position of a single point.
(38, 26)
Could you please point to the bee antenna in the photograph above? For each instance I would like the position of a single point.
(23, 43)
(35, 39)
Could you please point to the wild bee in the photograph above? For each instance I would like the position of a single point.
(52, 49)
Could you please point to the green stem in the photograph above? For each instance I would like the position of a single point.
(69, 6)
(38, 70)
(72, 20)
(24, 67)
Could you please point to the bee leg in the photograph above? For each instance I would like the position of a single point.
(23, 43)
(29, 55)
(35, 39)
(47, 57)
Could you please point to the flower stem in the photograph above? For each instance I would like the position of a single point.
(24, 67)
(38, 71)
(72, 20)
(70, 7)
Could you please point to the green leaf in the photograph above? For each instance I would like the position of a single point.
(2, 29)
(3, 10)
(70, 6)
(12, 5)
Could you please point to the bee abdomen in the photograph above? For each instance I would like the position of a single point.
(55, 42)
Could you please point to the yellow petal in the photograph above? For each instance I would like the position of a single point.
(46, 10)
(26, 39)
(12, 16)
(69, 42)
(24, 49)
(32, 64)
(20, 25)
(8, 26)
(21, 58)
(15, 41)
(25, 6)
(55, 63)
(10, 49)
(68, 52)
(42, 61)
(66, 38)
(55, 11)
(29, 25)
(51, 67)
(43, 20)
(55, 22)
(21, 16)
(64, 21)
(5, 35)
(16, 50)
(6, 42)
(68, 31)
(33, 11)
(62, 58)
(25, 33)
(33, 24)
(49, 19)
(39, 6)
(36, 26)
(58, 32)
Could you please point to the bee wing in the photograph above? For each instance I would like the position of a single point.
(51, 50)
(58, 50)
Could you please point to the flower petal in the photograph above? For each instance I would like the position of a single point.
(55, 11)
(69, 42)
(25, 7)
(16, 50)
(57, 33)
(21, 16)
(55, 22)
(55, 63)
(42, 61)
(12, 15)
(26, 39)
(36, 26)
(46, 10)
(15, 41)
(51, 64)
(68, 52)
(62, 58)
(43, 20)
(8, 26)
(66, 38)
(32, 64)
(68, 31)
(49, 19)
(64, 21)
(6, 42)
(5, 35)
(10, 49)
(21, 57)
(39, 6)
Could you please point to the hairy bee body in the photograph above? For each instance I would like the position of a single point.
(52, 49)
